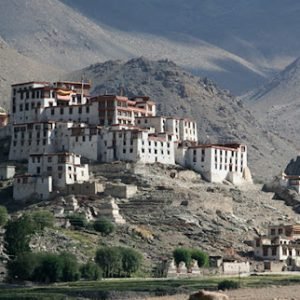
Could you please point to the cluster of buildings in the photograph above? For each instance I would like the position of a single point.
(279, 248)
(54, 124)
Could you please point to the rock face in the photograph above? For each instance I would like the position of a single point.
(220, 117)
(276, 103)
(205, 295)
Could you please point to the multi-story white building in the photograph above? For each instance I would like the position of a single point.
(30, 99)
(280, 244)
(64, 168)
(216, 162)
(182, 129)
(58, 117)
(31, 137)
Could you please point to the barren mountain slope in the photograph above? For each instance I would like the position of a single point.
(54, 33)
(276, 104)
(220, 116)
(263, 32)
(15, 67)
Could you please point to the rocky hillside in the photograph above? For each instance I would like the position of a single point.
(219, 115)
(276, 104)
(172, 207)
(15, 67)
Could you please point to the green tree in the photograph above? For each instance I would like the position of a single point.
(201, 257)
(42, 219)
(50, 268)
(104, 226)
(17, 236)
(131, 261)
(90, 271)
(109, 259)
(182, 254)
(3, 215)
(70, 267)
(77, 220)
(23, 266)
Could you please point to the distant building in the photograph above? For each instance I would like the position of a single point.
(282, 243)
(31, 187)
(216, 162)
(7, 172)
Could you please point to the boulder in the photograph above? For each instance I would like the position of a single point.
(205, 295)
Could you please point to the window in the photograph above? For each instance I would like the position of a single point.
(38, 170)
(59, 168)
(70, 110)
(87, 109)
(49, 169)
(61, 111)
(21, 107)
(49, 159)
(273, 232)
(27, 106)
(79, 110)
(124, 151)
(131, 150)
(274, 251)
(52, 111)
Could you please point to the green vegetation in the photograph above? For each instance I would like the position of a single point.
(201, 257)
(78, 220)
(104, 226)
(17, 236)
(44, 267)
(3, 215)
(42, 219)
(118, 261)
(182, 254)
(90, 271)
(228, 285)
(187, 255)
(85, 289)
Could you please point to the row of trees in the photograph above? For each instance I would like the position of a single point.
(187, 255)
(49, 267)
(118, 261)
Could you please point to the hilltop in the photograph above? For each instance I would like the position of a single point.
(220, 116)
(276, 103)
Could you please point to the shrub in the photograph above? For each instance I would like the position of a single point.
(42, 219)
(90, 271)
(182, 254)
(17, 236)
(3, 215)
(110, 261)
(104, 226)
(201, 257)
(131, 261)
(77, 220)
(70, 267)
(228, 285)
(23, 267)
(50, 268)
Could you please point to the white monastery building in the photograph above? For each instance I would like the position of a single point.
(282, 244)
(52, 123)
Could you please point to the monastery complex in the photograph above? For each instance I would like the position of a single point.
(53, 125)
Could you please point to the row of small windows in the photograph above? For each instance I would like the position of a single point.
(62, 110)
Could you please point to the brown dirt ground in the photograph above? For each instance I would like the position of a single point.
(291, 292)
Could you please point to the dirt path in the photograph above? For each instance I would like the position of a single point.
(291, 292)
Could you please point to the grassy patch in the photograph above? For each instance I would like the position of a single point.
(154, 287)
